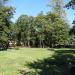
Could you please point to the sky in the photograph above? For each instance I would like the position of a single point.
(34, 7)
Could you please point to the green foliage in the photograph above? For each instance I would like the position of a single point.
(58, 28)
(5, 16)
(49, 30)
(72, 30)
(42, 30)
(24, 27)
(70, 4)
(58, 7)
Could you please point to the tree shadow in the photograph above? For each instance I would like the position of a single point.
(60, 63)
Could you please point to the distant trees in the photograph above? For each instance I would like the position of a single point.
(58, 7)
(24, 27)
(57, 35)
(48, 30)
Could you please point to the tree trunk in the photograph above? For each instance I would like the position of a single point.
(40, 44)
(24, 43)
(33, 43)
(28, 43)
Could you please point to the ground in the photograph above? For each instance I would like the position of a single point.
(11, 61)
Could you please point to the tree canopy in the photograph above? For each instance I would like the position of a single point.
(44, 30)
(71, 4)
(6, 13)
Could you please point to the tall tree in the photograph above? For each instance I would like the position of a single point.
(6, 13)
(58, 33)
(60, 26)
(39, 25)
(24, 26)
(58, 7)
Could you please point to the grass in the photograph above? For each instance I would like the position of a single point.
(46, 60)
(12, 60)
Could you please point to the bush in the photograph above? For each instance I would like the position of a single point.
(4, 45)
(32, 73)
(16, 48)
(51, 49)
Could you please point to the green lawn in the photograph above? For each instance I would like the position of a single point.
(11, 60)
(38, 59)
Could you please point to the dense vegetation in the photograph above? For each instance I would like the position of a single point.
(44, 30)
(71, 5)
(5, 16)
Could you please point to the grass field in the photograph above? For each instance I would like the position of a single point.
(36, 58)
(11, 60)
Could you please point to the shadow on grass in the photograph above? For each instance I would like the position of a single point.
(59, 64)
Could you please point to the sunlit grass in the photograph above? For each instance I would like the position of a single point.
(11, 60)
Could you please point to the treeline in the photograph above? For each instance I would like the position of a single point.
(44, 30)
(49, 30)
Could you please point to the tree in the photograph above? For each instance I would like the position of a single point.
(58, 7)
(58, 33)
(24, 26)
(70, 4)
(59, 24)
(21, 26)
(5, 20)
(42, 30)
(39, 25)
